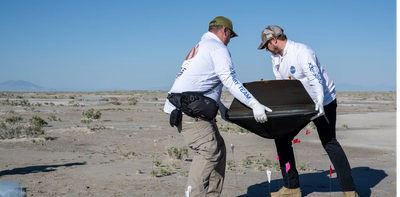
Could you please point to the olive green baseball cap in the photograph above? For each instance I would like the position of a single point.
(223, 21)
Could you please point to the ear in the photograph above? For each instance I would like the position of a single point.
(274, 40)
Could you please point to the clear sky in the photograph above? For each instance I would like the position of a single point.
(140, 45)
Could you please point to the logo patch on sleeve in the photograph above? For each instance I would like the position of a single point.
(292, 69)
(193, 52)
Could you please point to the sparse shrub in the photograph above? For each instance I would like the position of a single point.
(257, 167)
(184, 174)
(311, 125)
(345, 126)
(154, 99)
(258, 160)
(305, 167)
(164, 172)
(36, 120)
(114, 101)
(177, 153)
(245, 162)
(241, 130)
(266, 163)
(229, 165)
(132, 101)
(52, 117)
(157, 163)
(174, 165)
(11, 128)
(13, 120)
(128, 153)
(276, 166)
(90, 114)
(86, 121)
(154, 173)
(35, 127)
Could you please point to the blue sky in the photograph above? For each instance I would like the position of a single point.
(140, 45)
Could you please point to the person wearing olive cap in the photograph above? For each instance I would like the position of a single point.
(208, 67)
(296, 61)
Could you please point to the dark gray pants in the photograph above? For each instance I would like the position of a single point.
(327, 135)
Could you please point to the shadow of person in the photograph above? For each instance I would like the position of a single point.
(36, 169)
(365, 178)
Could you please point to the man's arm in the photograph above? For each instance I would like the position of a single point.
(308, 63)
(227, 74)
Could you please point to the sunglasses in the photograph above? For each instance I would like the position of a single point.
(266, 44)
(229, 31)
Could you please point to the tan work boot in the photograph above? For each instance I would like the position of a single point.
(285, 192)
(350, 194)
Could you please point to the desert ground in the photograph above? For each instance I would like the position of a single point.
(131, 150)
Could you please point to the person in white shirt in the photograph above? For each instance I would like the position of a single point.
(208, 66)
(296, 61)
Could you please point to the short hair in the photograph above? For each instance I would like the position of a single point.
(214, 28)
(281, 37)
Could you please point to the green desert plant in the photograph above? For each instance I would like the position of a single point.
(132, 101)
(154, 173)
(91, 114)
(35, 126)
(245, 162)
(229, 165)
(184, 174)
(177, 153)
(305, 167)
(157, 163)
(52, 117)
(11, 128)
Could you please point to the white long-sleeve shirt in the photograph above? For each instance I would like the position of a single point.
(300, 62)
(208, 63)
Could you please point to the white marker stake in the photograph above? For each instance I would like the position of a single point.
(154, 155)
(269, 180)
(187, 192)
(234, 162)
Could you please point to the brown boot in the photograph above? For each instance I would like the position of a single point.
(285, 192)
(350, 194)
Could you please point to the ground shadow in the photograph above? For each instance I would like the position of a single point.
(365, 178)
(36, 169)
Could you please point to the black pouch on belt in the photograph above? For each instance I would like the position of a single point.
(196, 105)
(175, 119)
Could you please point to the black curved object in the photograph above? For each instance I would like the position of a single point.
(291, 104)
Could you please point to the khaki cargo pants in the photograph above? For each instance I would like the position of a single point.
(207, 171)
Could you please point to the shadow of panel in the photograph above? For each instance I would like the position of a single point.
(37, 169)
(365, 178)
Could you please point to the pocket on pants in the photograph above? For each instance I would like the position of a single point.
(200, 137)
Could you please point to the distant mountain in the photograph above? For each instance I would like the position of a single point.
(352, 87)
(22, 86)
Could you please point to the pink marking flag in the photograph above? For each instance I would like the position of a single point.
(277, 157)
(308, 132)
(330, 171)
(287, 167)
(295, 141)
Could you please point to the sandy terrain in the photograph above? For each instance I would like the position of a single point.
(114, 155)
